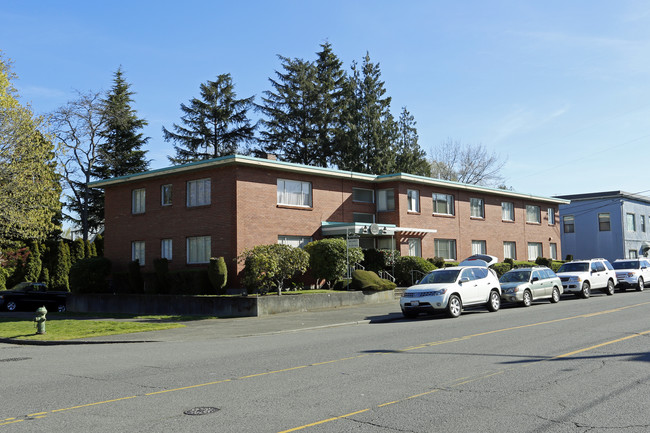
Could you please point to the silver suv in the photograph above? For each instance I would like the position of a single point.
(524, 285)
(581, 276)
(632, 273)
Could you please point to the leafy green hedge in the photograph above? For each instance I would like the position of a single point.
(368, 280)
(404, 266)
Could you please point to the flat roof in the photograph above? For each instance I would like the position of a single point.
(605, 195)
(318, 171)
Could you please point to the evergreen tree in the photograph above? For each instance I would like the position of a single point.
(370, 127)
(29, 185)
(213, 126)
(409, 156)
(34, 263)
(289, 129)
(121, 151)
(61, 269)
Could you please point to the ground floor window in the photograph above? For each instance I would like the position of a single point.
(445, 248)
(137, 252)
(294, 241)
(385, 243)
(534, 250)
(479, 247)
(510, 250)
(415, 247)
(553, 251)
(199, 249)
(166, 249)
(632, 254)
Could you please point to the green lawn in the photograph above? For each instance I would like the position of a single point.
(69, 329)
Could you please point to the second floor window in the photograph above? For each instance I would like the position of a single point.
(603, 222)
(413, 197)
(137, 200)
(568, 223)
(551, 216)
(476, 209)
(294, 193)
(363, 195)
(443, 204)
(533, 214)
(630, 222)
(166, 195)
(642, 223)
(507, 211)
(385, 200)
(198, 192)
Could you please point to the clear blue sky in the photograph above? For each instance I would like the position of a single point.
(559, 88)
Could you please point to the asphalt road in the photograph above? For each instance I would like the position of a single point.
(575, 366)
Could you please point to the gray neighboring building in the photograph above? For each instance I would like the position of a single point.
(610, 224)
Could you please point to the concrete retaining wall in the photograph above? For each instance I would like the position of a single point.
(238, 306)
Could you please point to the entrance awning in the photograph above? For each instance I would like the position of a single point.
(368, 229)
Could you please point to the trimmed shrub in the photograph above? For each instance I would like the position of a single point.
(569, 257)
(327, 259)
(501, 268)
(368, 280)
(438, 262)
(555, 265)
(541, 261)
(524, 264)
(161, 270)
(268, 266)
(136, 283)
(90, 275)
(509, 261)
(218, 274)
(406, 264)
(61, 269)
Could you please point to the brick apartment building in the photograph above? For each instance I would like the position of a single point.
(224, 206)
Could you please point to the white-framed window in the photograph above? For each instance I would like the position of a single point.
(604, 224)
(551, 216)
(507, 211)
(445, 248)
(166, 195)
(443, 204)
(553, 251)
(137, 200)
(359, 217)
(385, 200)
(413, 197)
(476, 208)
(415, 247)
(137, 252)
(630, 222)
(294, 193)
(568, 221)
(533, 214)
(199, 249)
(166, 249)
(294, 241)
(363, 195)
(198, 192)
(534, 250)
(479, 247)
(510, 250)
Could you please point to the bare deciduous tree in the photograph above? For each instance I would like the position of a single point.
(77, 126)
(466, 163)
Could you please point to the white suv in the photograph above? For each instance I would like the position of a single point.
(632, 273)
(581, 276)
(452, 289)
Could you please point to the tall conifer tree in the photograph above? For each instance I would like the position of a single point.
(215, 125)
(409, 156)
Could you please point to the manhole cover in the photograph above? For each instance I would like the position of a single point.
(201, 410)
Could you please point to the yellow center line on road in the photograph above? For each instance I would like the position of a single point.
(421, 346)
(463, 381)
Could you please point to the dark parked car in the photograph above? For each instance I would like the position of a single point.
(30, 296)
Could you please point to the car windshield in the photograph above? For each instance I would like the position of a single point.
(441, 276)
(574, 267)
(515, 277)
(631, 264)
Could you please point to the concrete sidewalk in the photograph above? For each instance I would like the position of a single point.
(248, 326)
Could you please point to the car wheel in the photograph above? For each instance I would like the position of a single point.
(555, 296)
(11, 306)
(61, 308)
(610, 288)
(528, 298)
(454, 306)
(586, 289)
(640, 285)
(495, 301)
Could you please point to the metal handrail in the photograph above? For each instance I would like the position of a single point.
(413, 280)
